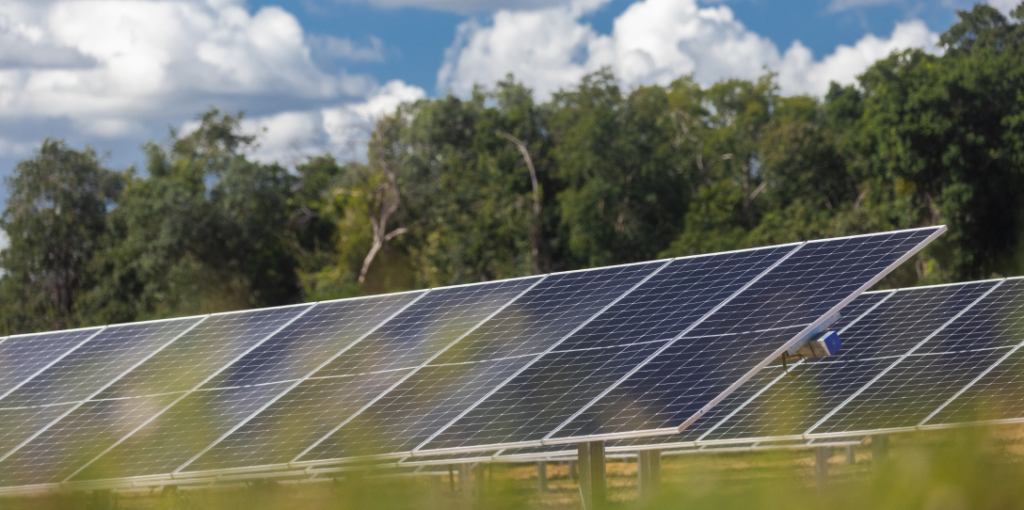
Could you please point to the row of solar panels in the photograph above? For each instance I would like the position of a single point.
(626, 351)
(913, 359)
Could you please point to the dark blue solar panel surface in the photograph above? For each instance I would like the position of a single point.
(335, 393)
(538, 321)
(63, 447)
(680, 383)
(792, 405)
(254, 380)
(531, 405)
(913, 387)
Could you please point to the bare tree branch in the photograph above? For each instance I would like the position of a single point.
(535, 225)
(387, 200)
(705, 170)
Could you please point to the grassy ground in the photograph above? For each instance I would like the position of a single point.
(952, 470)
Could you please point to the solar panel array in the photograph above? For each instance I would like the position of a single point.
(617, 352)
(913, 359)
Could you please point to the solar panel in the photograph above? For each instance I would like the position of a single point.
(913, 359)
(928, 374)
(78, 375)
(335, 392)
(247, 385)
(693, 367)
(557, 358)
(130, 399)
(791, 406)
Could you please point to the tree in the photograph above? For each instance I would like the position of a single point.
(55, 217)
(207, 230)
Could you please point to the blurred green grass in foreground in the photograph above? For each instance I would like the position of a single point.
(977, 468)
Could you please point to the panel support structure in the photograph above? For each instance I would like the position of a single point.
(851, 454)
(648, 473)
(542, 476)
(592, 484)
(879, 449)
(466, 485)
(821, 456)
(102, 499)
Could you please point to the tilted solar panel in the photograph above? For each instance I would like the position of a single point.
(555, 358)
(919, 358)
(694, 367)
(132, 398)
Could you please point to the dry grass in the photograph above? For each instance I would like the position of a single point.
(951, 470)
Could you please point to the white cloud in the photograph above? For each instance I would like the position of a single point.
(334, 47)
(119, 71)
(1004, 5)
(464, 6)
(652, 42)
(290, 137)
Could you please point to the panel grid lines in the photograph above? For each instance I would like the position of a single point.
(297, 382)
(50, 364)
(665, 347)
(539, 356)
(539, 360)
(416, 369)
(197, 386)
(98, 392)
(886, 370)
(974, 381)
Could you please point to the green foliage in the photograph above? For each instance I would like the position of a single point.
(496, 185)
(54, 218)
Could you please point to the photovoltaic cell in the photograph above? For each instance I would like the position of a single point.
(252, 381)
(871, 344)
(681, 382)
(336, 392)
(78, 374)
(61, 448)
(21, 356)
(758, 384)
(467, 371)
(916, 385)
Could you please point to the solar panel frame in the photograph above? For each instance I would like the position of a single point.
(420, 448)
(7, 454)
(309, 374)
(751, 373)
(810, 431)
(306, 308)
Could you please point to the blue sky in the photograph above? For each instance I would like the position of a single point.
(312, 74)
(415, 38)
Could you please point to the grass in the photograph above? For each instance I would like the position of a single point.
(959, 469)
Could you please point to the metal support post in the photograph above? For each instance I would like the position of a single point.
(592, 482)
(542, 476)
(879, 449)
(573, 472)
(451, 476)
(648, 473)
(821, 455)
(102, 499)
(851, 454)
(466, 485)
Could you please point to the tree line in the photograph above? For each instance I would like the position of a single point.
(498, 185)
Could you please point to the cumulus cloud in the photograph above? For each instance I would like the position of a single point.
(464, 6)
(291, 136)
(652, 42)
(120, 70)
(1004, 5)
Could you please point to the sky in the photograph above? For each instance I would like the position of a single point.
(311, 75)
